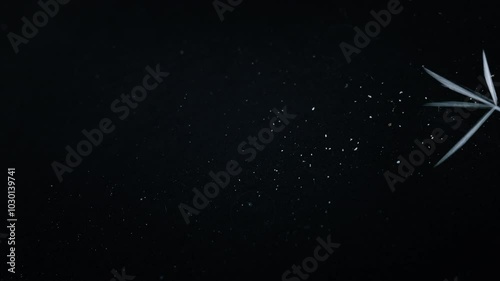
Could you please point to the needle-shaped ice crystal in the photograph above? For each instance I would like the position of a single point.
(485, 103)
(457, 104)
(454, 87)
(466, 137)
(489, 81)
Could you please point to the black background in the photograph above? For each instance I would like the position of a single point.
(119, 208)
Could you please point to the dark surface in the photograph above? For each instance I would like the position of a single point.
(119, 208)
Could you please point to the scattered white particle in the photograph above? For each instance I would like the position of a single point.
(326, 135)
(313, 108)
(369, 96)
(355, 149)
